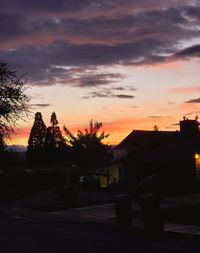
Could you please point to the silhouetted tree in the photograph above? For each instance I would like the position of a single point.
(54, 138)
(155, 128)
(53, 121)
(36, 140)
(13, 101)
(87, 149)
(2, 144)
(38, 131)
(2, 152)
(55, 145)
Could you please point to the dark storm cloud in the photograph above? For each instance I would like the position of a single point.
(197, 100)
(60, 41)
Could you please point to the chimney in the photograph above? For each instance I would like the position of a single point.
(189, 126)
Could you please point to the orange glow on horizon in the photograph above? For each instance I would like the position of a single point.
(118, 129)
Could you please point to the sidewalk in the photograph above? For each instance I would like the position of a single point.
(182, 200)
(105, 214)
(100, 214)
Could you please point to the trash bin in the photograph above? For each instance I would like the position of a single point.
(123, 210)
(153, 220)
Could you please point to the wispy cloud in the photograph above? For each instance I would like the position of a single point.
(124, 96)
(192, 113)
(37, 106)
(191, 101)
(107, 94)
(93, 80)
(176, 124)
(155, 117)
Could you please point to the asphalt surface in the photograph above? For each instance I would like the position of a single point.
(25, 231)
(89, 229)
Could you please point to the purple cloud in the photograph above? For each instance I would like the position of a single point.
(68, 41)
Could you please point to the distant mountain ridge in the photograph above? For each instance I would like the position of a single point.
(16, 148)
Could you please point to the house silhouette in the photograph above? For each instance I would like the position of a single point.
(164, 162)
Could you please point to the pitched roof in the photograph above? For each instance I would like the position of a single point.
(138, 139)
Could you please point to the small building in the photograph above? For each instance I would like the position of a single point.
(162, 161)
(111, 175)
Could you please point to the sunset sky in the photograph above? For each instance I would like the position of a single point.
(131, 64)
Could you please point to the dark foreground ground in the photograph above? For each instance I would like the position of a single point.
(89, 229)
(24, 228)
(18, 234)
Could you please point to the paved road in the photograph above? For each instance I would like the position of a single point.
(40, 233)
(89, 229)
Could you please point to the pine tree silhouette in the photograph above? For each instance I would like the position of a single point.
(54, 138)
(37, 134)
(36, 141)
(55, 146)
